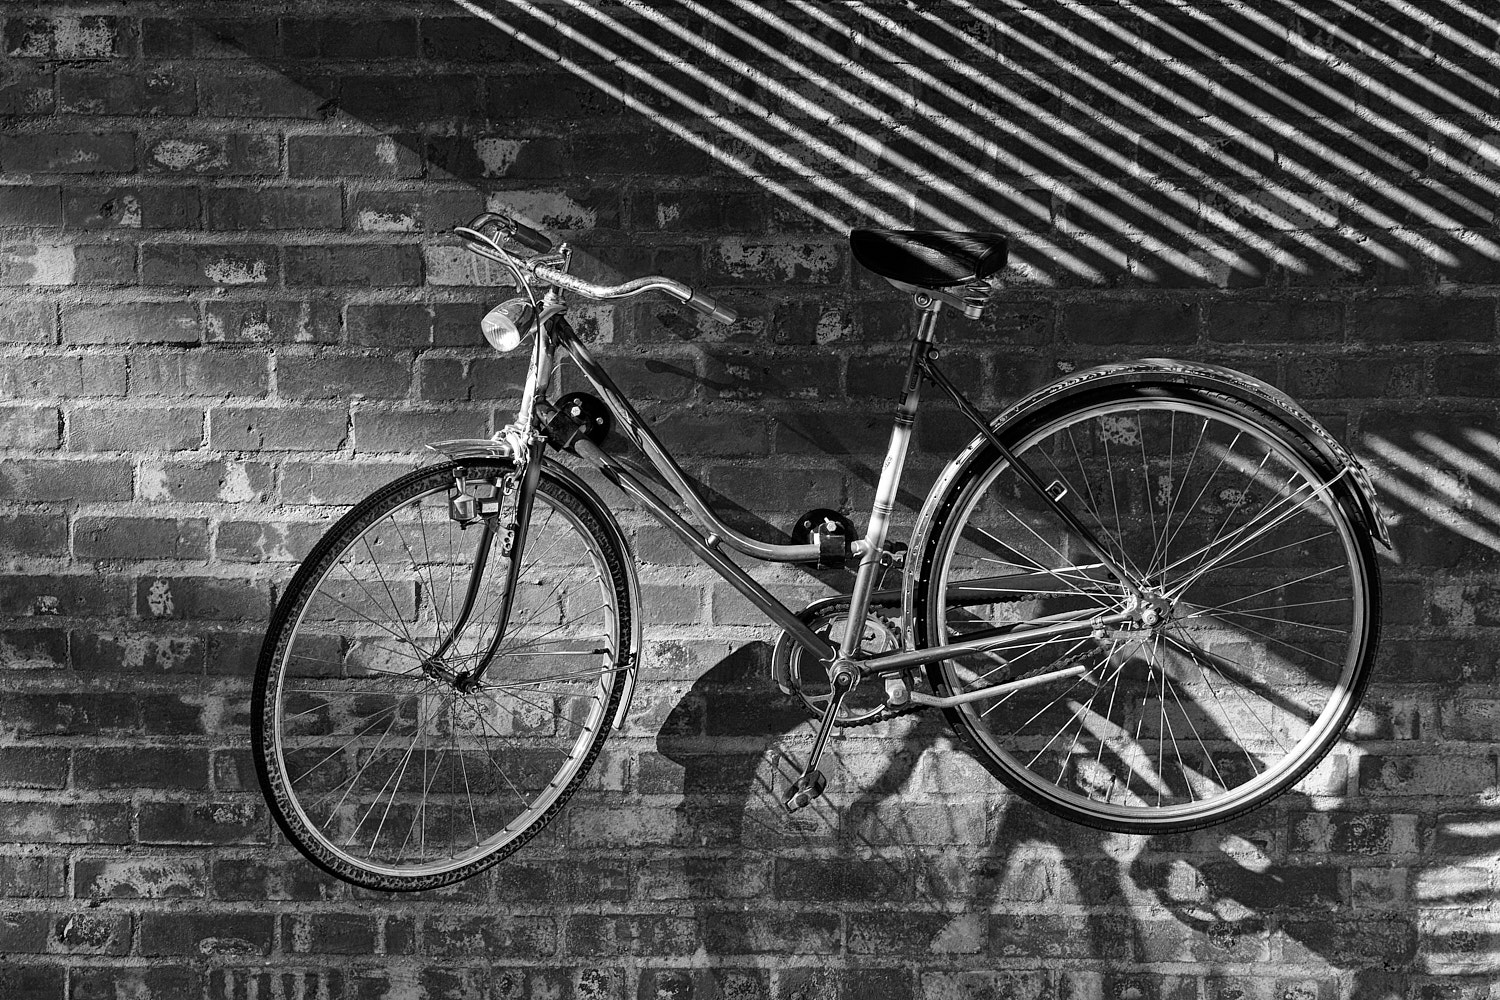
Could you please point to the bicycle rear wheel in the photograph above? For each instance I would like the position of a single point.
(1264, 588)
(380, 766)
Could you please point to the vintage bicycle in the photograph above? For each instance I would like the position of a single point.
(1145, 596)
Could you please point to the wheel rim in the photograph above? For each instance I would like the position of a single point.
(394, 772)
(1248, 680)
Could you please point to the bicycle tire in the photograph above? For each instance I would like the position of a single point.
(487, 768)
(1312, 576)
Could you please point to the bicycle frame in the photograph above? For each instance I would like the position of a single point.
(708, 544)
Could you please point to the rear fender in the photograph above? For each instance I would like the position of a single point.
(1335, 459)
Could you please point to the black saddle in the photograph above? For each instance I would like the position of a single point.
(928, 259)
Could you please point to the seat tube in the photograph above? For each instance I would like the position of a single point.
(890, 472)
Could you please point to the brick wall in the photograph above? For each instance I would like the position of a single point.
(230, 308)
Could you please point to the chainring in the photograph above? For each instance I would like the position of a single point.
(800, 675)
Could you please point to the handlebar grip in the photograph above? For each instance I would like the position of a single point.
(529, 238)
(708, 307)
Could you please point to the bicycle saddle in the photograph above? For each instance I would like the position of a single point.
(926, 258)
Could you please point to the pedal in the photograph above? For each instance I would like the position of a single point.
(805, 789)
(812, 782)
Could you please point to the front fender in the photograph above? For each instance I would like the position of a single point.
(489, 448)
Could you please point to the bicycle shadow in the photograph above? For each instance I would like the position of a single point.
(1297, 898)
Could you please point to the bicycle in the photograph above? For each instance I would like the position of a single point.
(1145, 596)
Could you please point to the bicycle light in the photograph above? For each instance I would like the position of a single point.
(507, 323)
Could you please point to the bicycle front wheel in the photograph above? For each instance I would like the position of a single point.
(381, 762)
(1244, 654)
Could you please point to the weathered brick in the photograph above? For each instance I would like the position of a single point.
(1393, 320)
(130, 207)
(239, 935)
(82, 480)
(260, 209)
(378, 431)
(342, 376)
(229, 821)
(238, 428)
(36, 428)
(91, 37)
(213, 155)
(364, 266)
(167, 428)
(320, 156)
(30, 205)
(131, 323)
(69, 153)
(272, 322)
(33, 534)
(202, 266)
(116, 92)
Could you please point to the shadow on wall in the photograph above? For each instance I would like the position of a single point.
(944, 868)
(1201, 144)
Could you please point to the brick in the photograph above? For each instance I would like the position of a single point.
(140, 538)
(213, 155)
(332, 934)
(391, 98)
(418, 210)
(362, 266)
(242, 94)
(29, 323)
(113, 92)
(69, 153)
(318, 156)
(60, 594)
(220, 373)
(131, 323)
(337, 38)
(37, 428)
(631, 934)
(274, 208)
(201, 597)
(378, 431)
(30, 205)
(33, 877)
(1392, 320)
(53, 823)
(1129, 322)
(136, 652)
(501, 156)
(173, 428)
(517, 936)
(71, 375)
(776, 933)
(335, 376)
(33, 535)
(742, 262)
(228, 821)
(185, 933)
(206, 266)
(91, 37)
(236, 428)
(31, 767)
(130, 207)
(33, 648)
(112, 983)
(226, 481)
(336, 483)
(27, 91)
(82, 480)
(314, 322)
(257, 541)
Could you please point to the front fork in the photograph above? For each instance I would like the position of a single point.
(505, 527)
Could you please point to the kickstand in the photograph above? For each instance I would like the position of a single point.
(813, 781)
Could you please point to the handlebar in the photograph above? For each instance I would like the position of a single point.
(486, 246)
